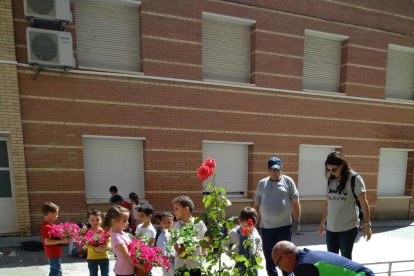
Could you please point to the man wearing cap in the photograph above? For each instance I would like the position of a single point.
(276, 200)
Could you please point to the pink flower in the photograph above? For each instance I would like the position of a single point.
(211, 164)
(66, 230)
(203, 172)
(147, 256)
(95, 238)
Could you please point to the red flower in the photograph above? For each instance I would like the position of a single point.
(210, 162)
(250, 222)
(203, 172)
(245, 231)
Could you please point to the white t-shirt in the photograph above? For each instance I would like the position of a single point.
(135, 211)
(149, 231)
(342, 209)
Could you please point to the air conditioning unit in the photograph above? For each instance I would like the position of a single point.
(49, 48)
(53, 10)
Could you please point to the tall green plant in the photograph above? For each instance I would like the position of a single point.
(217, 241)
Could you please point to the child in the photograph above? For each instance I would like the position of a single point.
(133, 197)
(183, 207)
(52, 249)
(97, 255)
(113, 190)
(145, 212)
(167, 221)
(116, 220)
(237, 237)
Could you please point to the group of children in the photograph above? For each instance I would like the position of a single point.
(116, 220)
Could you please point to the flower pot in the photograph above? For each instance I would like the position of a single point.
(179, 250)
(141, 272)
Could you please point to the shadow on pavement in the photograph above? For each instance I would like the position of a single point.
(16, 256)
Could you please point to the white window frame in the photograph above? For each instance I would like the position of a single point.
(325, 36)
(397, 48)
(220, 168)
(312, 181)
(386, 185)
(229, 20)
(103, 196)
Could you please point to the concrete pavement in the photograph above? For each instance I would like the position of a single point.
(392, 241)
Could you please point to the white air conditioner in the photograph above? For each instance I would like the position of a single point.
(54, 10)
(49, 48)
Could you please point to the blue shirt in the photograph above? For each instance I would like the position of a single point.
(322, 263)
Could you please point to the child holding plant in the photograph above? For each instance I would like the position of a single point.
(116, 219)
(52, 247)
(167, 221)
(246, 239)
(96, 240)
(146, 231)
(183, 207)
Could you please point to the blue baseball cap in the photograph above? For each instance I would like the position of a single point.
(274, 163)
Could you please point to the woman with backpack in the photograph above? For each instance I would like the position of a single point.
(341, 216)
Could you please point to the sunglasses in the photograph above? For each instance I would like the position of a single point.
(278, 261)
(334, 170)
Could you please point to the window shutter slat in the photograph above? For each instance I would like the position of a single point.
(107, 35)
(322, 61)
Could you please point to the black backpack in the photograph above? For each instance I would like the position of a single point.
(360, 212)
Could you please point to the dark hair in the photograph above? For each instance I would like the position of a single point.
(94, 212)
(49, 207)
(184, 201)
(248, 213)
(146, 208)
(167, 214)
(134, 197)
(114, 212)
(116, 198)
(338, 159)
(113, 189)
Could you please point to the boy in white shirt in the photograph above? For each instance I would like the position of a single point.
(146, 229)
(167, 221)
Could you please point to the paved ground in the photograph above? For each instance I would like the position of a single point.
(392, 241)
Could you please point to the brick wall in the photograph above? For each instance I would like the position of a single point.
(175, 117)
(10, 117)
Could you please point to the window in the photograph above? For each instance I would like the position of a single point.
(107, 34)
(231, 166)
(113, 161)
(226, 48)
(322, 61)
(392, 172)
(312, 180)
(400, 73)
(5, 180)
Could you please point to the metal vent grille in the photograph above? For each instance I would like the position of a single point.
(44, 47)
(44, 7)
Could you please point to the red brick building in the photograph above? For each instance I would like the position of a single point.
(156, 86)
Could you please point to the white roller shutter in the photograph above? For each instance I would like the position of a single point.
(400, 75)
(392, 172)
(231, 166)
(226, 51)
(322, 62)
(312, 180)
(107, 34)
(113, 161)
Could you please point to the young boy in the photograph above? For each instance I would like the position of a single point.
(183, 207)
(246, 230)
(113, 190)
(167, 221)
(52, 249)
(145, 212)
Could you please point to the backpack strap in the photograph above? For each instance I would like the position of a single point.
(353, 185)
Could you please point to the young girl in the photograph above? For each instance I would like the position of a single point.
(116, 219)
(133, 197)
(97, 255)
